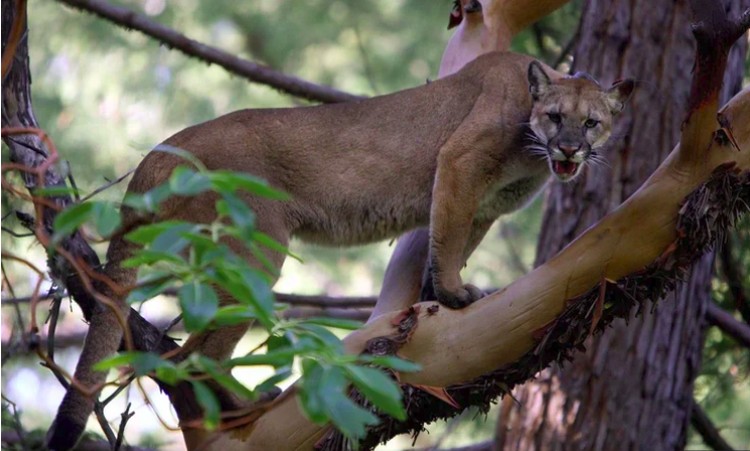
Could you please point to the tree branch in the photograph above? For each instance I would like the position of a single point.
(238, 66)
(705, 427)
(728, 324)
(734, 277)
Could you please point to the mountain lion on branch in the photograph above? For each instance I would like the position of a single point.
(452, 155)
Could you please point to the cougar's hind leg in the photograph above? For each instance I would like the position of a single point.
(219, 343)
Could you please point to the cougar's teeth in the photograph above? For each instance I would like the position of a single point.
(564, 168)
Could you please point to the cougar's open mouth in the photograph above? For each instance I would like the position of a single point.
(564, 169)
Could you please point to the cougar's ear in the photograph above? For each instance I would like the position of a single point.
(538, 80)
(618, 94)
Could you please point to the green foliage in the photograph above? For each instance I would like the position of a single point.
(193, 258)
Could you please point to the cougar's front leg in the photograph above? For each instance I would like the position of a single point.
(459, 184)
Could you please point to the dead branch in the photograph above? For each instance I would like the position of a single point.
(247, 69)
(724, 320)
(705, 427)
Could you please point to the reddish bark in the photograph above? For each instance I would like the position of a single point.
(633, 388)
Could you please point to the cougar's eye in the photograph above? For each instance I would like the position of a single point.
(554, 117)
(590, 123)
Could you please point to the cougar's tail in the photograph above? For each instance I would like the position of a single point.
(102, 340)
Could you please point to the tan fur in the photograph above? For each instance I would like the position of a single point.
(450, 154)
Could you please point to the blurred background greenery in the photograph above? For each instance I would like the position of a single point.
(106, 96)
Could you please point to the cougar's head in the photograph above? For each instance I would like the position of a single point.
(571, 118)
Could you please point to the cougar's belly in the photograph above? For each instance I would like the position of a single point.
(507, 197)
(346, 225)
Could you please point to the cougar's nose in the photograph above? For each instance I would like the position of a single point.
(569, 149)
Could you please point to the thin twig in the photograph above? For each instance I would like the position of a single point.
(104, 424)
(54, 314)
(126, 415)
(108, 185)
(705, 427)
(16, 234)
(238, 66)
(16, 423)
(117, 391)
(72, 181)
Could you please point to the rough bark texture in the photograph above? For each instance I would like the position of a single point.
(633, 388)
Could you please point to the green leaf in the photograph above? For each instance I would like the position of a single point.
(347, 416)
(148, 257)
(53, 191)
(171, 240)
(279, 376)
(209, 403)
(170, 374)
(277, 358)
(142, 362)
(347, 324)
(247, 287)
(148, 201)
(187, 182)
(182, 153)
(265, 240)
(122, 359)
(222, 377)
(199, 304)
(234, 314)
(309, 392)
(70, 219)
(323, 335)
(393, 362)
(227, 182)
(329, 389)
(238, 211)
(150, 286)
(106, 218)
(145, 234)
(380, 389)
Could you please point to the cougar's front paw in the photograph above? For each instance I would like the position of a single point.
(459, 299)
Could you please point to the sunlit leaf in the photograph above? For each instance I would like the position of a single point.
(199, 304)
(380, 389)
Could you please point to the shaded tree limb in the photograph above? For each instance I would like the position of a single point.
(254, 72)
(734, 277)
(705, 427)
(724, 320)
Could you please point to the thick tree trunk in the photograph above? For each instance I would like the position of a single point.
(633, 388)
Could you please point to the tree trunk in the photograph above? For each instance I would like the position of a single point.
(633, 388)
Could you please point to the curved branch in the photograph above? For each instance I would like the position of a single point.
(705, 427)
(238, 66)
(728, 324)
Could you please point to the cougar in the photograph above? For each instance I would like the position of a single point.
(453, 155)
